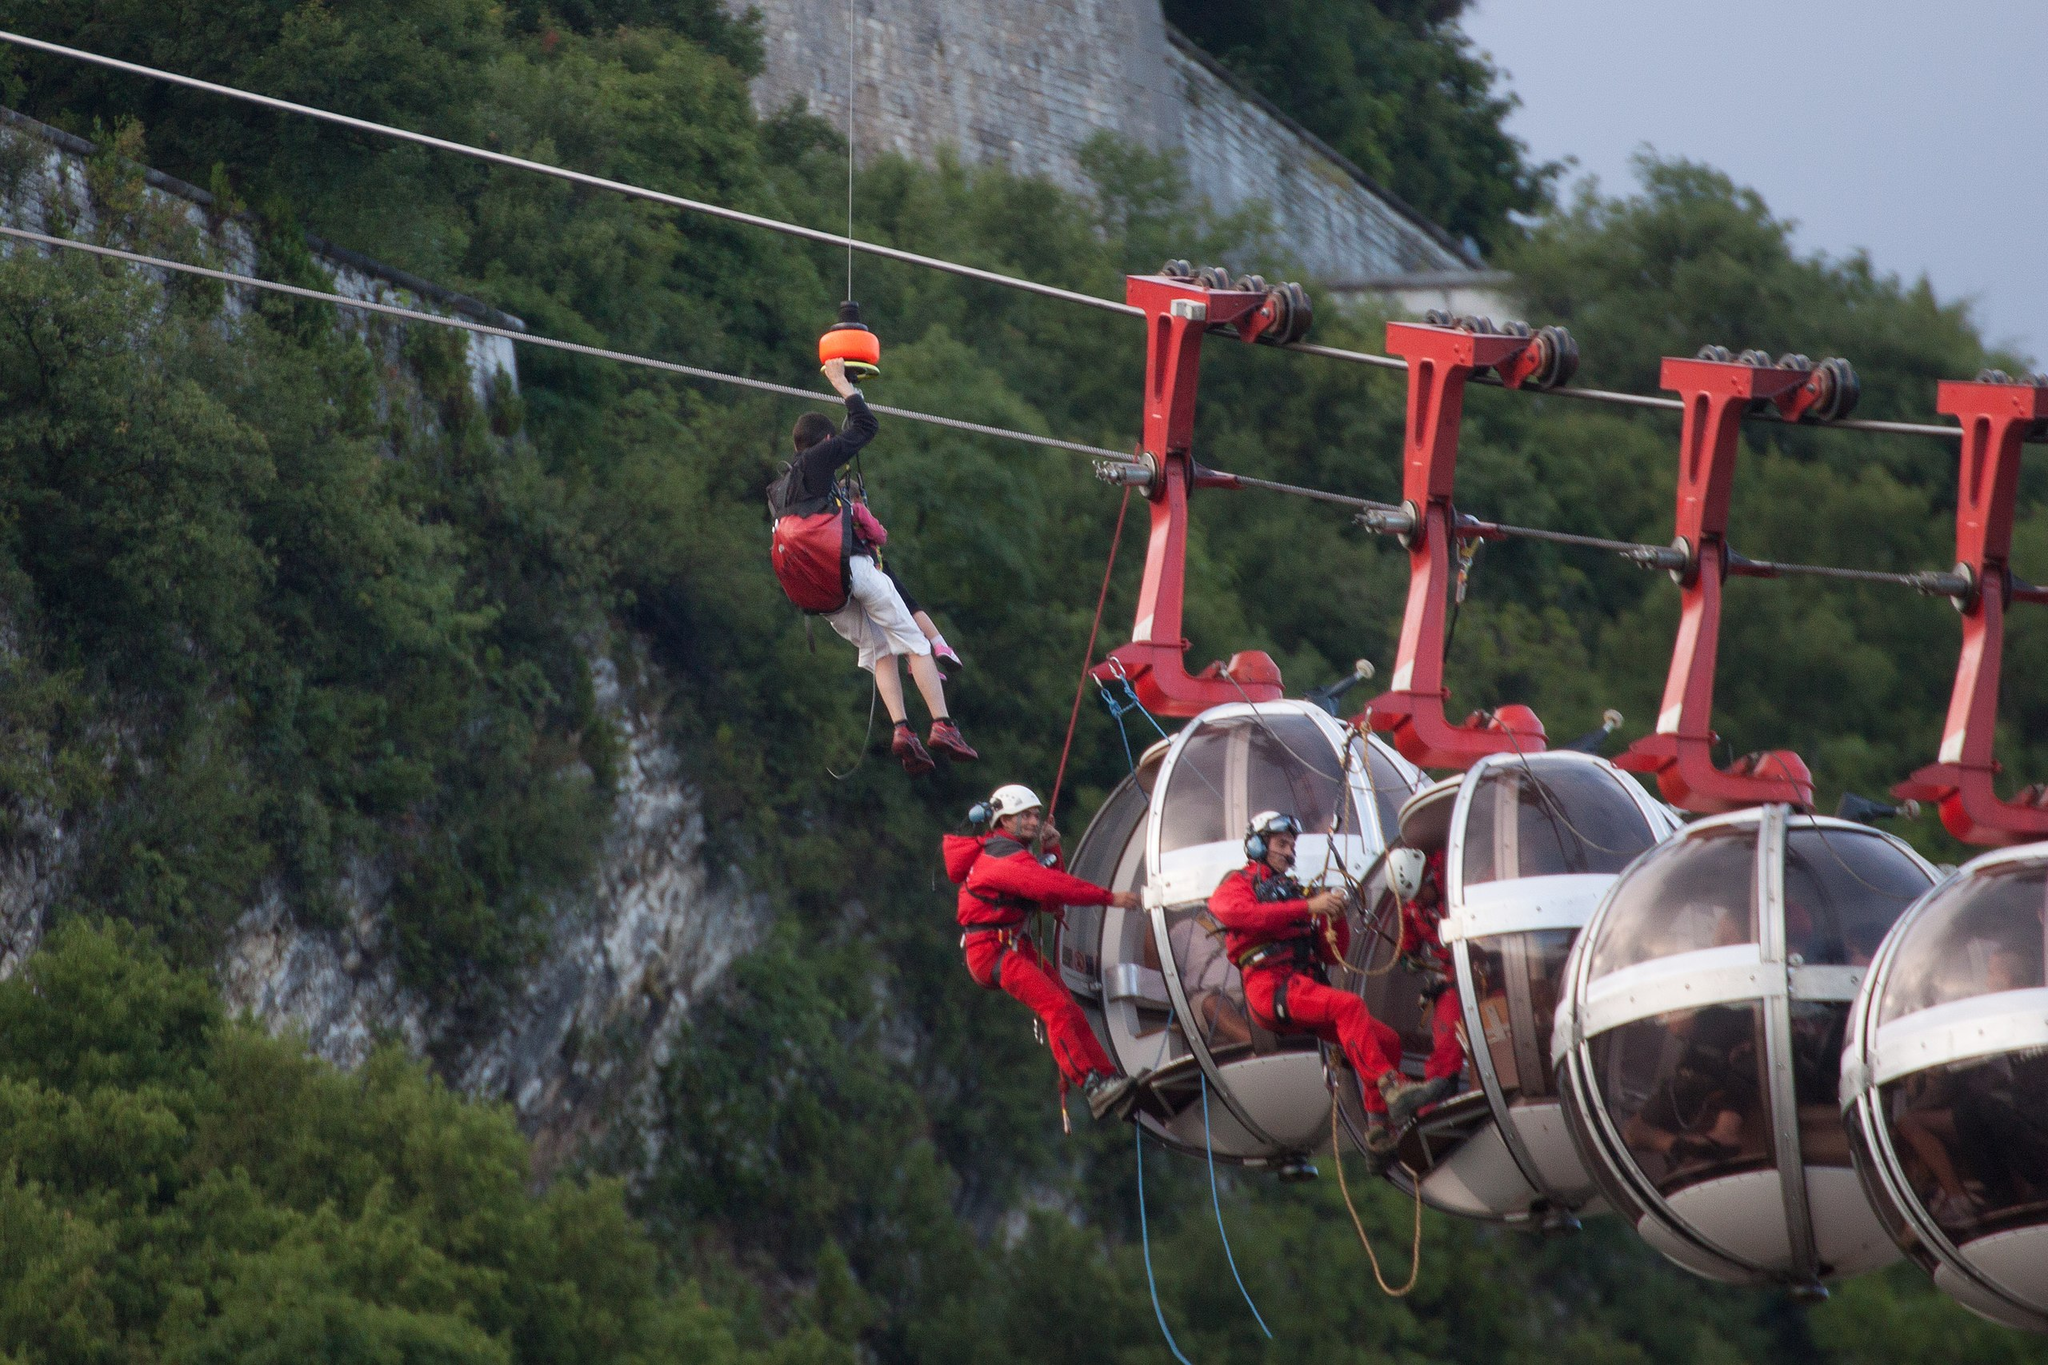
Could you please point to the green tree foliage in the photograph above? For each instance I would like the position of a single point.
(1396, 87)
(313, 629)
(176, 1187)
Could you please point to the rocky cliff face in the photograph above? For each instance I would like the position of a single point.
(578, 1049)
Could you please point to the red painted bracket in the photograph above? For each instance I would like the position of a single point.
(1177, 314)
(1680, 752)
(1440, 360)
(1996, 418)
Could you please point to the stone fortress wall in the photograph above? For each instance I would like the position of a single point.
(1026, 82)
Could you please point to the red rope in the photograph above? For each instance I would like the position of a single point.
(1081, 683)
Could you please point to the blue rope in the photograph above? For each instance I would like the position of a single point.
(1145, 1236)
(1217, 1203)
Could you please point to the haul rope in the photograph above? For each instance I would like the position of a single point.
(1145, 1240)
(1415, 1259)
(1217, 1203)
(1088, 656)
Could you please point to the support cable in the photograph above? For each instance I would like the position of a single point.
(554, 344)
(849, 241)
(360, 125)
(1376, 516)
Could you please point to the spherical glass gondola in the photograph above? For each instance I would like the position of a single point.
(1699, 1044)
(1155, 982)
(1945, 1085)
(1530, 844)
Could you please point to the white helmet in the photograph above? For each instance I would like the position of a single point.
(1405, 867)
(1013, 799)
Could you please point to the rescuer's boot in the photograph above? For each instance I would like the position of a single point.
(946, 739)
(1380, 1142)
(1109, 1095)
(1404, 1098)
(911, 754)
(1437, 1091)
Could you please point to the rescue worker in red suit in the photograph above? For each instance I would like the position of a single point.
(1418, 882)
(1001, 882)
(1281, 937)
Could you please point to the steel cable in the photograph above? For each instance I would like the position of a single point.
(361, 125)
(848, 240)
(553, 343)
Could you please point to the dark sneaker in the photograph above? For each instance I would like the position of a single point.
(1109, 1095)
(1404, 1098)
(912, 755)
(945, 738)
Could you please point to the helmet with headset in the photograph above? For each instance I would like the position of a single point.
(1406, 868)
(1013, 798)
(1265, 824)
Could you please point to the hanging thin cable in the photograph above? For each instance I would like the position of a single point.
(551, 343)
(1145, 1240)
(849, 148)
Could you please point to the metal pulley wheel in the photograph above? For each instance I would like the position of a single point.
(1560, 358)
(1839, 389)
(1792, 360)
(1716, 353)
(1760, 359)
(1177, 269)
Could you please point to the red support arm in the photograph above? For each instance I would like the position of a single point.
(1440, 360)
(1680, 753)
(1178, 312)
(1996, 418)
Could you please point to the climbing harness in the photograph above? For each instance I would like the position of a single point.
(1216, 1202)
(1415, 1258)
(1088, 656)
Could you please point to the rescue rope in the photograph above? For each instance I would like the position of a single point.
(1217, 1203)
(1088, 655)
(1415, 1259)
(866, 737)
(551, 343)
(1145, 1240)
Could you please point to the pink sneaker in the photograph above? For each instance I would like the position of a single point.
(944, 653)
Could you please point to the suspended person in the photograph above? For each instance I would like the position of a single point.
(1418, 882)
(826, 564)
(1281, 938)
(1002, 881)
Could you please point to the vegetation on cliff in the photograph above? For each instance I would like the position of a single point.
(262, 628)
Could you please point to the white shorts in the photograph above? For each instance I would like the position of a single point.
(874, 619)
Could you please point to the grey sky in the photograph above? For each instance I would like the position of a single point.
(1914, 131)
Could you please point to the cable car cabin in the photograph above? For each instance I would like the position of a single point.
(1530, 845)
(1945, 1085)
(1156, 983)
(1699, 1045)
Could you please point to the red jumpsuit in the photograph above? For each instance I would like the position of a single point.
(1283, 988)
(1000, 883)
(1419, 925)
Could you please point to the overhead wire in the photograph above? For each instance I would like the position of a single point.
(524, 338)
(848, 240)
(1376, 516)
(678, 201)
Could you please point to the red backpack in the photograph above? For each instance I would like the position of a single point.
(811, 550)
(813, 559)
